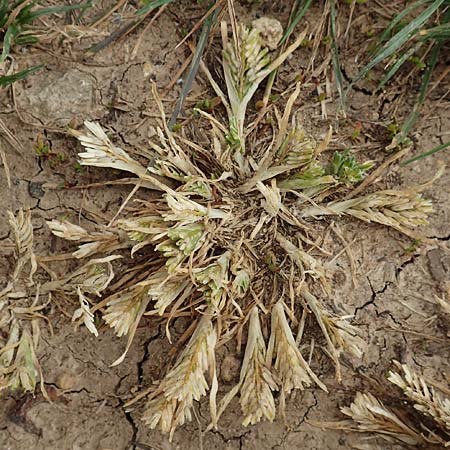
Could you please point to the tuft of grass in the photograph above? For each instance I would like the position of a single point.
(406, 39)
(16, 29)
(16, 20)
(227, 218)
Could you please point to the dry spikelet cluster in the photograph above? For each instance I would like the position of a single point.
(23, 300)
(372, 416)
(226, 240)
(19, 313)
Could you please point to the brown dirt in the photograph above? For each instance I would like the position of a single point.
(392, 302)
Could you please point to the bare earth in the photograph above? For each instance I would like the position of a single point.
(393, 300)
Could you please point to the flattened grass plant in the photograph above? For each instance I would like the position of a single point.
(228, 239)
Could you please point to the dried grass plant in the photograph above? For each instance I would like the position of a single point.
(433, 428)
(228, 239)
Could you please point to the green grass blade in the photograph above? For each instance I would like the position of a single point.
(411, 120)
(201, 45)
(55, 10)
(335, 55)
(296, 15)
(8, 39)
(399, 39)
(395, 67)
(428, 153)
(294, 20)
(152, 5)
(3, 12)
(438, 33)
(398, 18)
(10, 79)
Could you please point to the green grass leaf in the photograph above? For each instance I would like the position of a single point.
(296, 16)
(10, 79)
(149, 5)
(411, 120)
(399, 39)
(400, 61)
(335, 54)
(55, 10)
(399, 17)
(428, 153)
(438, 33)
(200, 48)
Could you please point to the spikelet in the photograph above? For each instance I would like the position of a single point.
(7, 352)
(139, 228)
(124, 311)
(170, 405)
(126, 307)
(69, 231)
(425, 398)
(94, 242)
(166, 290)
(245, 63)
(339, 334)
(298, 150)
(187, 237)
(371, 415)
(345, 337)
(292, 370)
(93, 277)
(22, 231)
(25, 369)
(272, 202)
(402, 210)
(312, 176)
(256, 380)
(189, 211)
(84, 313)
(101, 152)
(213, 280)
(241, 283)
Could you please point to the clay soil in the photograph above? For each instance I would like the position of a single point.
(394, 297)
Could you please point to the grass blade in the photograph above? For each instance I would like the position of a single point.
(152, 5)
(201, 45)
(56, 9)
(411, 120)
(296, 15)
(440, 32)
(295, 19)
(397, 19)
(399, 39)
(335, 55)
(11, 32)
(395, 67)
(428, 153)
(10, 79)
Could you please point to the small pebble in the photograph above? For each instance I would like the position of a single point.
(35, 189)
